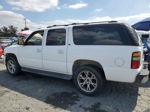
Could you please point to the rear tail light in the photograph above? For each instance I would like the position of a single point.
(136, 58)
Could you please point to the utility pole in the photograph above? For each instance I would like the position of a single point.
(25, 23)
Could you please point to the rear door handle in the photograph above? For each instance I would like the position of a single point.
(38, 50)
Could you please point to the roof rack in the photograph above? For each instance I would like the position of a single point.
(61, 25)
(82, 23)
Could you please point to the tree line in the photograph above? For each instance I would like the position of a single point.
(10, 31)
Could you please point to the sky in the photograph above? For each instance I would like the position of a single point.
(42, 13)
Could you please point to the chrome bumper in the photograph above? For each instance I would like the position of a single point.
(143, 76)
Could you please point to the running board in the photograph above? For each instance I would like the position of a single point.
(46, 73)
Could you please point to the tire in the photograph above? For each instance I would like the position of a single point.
(86, 78)
(12, 66)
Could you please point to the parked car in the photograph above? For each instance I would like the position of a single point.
(5, 42)
(1, 51)
(88, 53)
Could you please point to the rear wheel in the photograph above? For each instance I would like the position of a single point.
(88, 80)
(12, 66)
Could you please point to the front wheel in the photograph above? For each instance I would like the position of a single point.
(12, 66)
(88, 80)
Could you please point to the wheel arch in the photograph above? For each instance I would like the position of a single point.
(83, 62)
(8, 55)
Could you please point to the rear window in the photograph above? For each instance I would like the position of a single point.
(101, 34)
(132, 34)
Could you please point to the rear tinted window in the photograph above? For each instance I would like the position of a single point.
(56, 37)
(132, 34)
(101, 34)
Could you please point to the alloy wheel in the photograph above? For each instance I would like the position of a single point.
(11, 66)
(87, 81)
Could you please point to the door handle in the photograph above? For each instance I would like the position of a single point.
(38, 50)
(60, 52)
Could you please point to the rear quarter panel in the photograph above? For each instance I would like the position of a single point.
(115, 59)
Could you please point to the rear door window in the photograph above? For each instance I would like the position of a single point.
(56, 37)
(101, 34)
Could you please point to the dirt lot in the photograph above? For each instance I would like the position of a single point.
(35, 93)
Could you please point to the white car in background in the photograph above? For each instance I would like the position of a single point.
(140, 33)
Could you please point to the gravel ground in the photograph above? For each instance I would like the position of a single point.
(34, 93)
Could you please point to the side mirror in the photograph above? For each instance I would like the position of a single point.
(21, 42)
(145, 36)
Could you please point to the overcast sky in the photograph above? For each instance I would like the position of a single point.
(42, 13)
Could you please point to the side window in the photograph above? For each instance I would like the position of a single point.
(35, 38)
(103, 34)
(56, 37)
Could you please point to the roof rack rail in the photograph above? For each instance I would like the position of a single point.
(82, 23)
(63, 25)
(56, 25)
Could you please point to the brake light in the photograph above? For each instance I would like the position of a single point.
(135, 62)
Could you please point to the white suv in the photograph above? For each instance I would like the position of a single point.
(88, 53)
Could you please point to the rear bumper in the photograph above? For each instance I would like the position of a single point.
(141, 79)
(143, 76)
